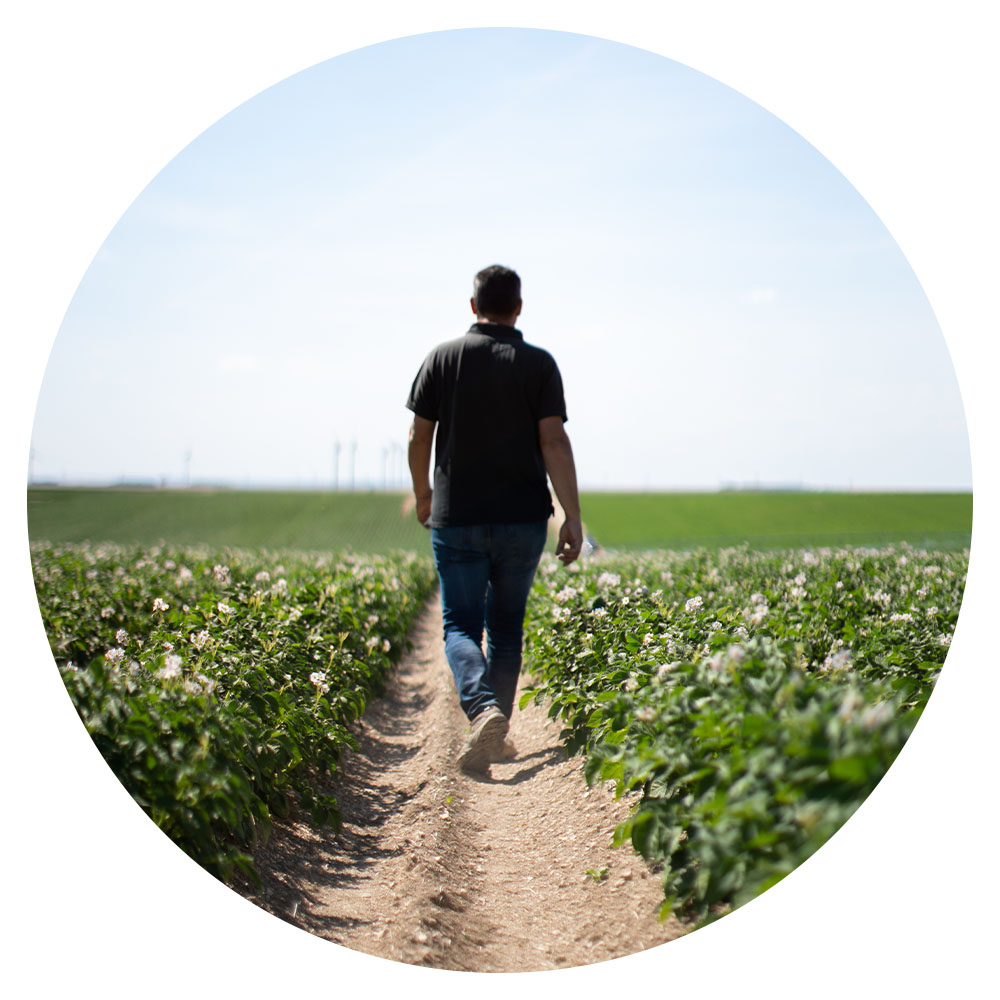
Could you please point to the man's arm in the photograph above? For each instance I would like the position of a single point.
(557, 453)
(419, 456)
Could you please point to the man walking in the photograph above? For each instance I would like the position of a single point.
(497, 403)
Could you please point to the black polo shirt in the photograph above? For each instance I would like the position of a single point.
(487, 391)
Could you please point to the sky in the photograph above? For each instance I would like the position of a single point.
(723, 305)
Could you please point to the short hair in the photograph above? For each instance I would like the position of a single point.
(496, 291)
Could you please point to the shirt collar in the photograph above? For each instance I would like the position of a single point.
(497, 330)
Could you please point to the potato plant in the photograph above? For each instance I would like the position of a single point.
(219, 685)
(754, 699)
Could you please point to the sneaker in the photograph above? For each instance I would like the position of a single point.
(485, 742)
(507, 752)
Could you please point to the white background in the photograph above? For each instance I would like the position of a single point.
(901, 97)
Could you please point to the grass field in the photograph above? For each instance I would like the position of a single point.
(775, 520)
(375, 522)
(363, 522)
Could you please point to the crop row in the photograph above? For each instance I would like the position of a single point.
(753, 700)
(219, 685)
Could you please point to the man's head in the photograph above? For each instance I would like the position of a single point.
(496, 295)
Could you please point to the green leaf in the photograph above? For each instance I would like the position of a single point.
(851, 769)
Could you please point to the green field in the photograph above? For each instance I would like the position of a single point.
(375, 522)
(363, 522)
(777, 520)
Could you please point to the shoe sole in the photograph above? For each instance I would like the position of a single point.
(483, 748)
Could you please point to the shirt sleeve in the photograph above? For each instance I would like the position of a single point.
(551, 402)
(424, 398)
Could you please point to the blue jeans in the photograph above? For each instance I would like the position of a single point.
(486, 571)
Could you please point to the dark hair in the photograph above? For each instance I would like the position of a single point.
(497, 291)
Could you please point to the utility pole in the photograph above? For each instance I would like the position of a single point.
(401, 464)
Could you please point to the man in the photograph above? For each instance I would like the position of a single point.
(498, 406)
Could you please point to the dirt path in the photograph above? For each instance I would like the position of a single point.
(436, 868)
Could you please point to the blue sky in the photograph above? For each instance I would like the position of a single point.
(723, 305)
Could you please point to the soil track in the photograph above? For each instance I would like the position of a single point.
(436, 868)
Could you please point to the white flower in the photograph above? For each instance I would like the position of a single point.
(608, 580)
(224, 609)
(664, 668)
(645, 713)
(648, 639)
(715, 626)
(852, 701)
(107, 612)
(206, 682)
(222, 574)
(693, 603)
(281, 587)
(809, 558)
(115, 656)
(875, 715)
(758, 599)
(121, 637)
(200, 639)
(317, 679)
(901, 617)
(134, 666)
(566, 594)
(631, 684)
(386, 645)
(759, 614)
(944, 640)
(741, 631)
(716, 662)
(841, 660)
(171, 667)
(159, 604)
(600, 612)
(839, 585)
(800, 579)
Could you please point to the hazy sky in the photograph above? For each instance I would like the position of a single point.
(723, 305)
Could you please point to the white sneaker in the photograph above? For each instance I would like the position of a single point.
(485, 742)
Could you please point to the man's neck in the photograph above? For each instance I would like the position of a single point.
(497, 320)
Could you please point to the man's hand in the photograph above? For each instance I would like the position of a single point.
(557, 453)
(419, 456)
(570, 541)
(424, 509)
